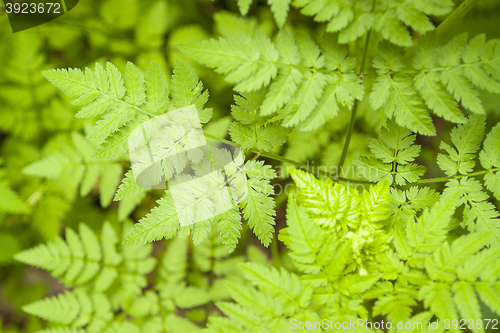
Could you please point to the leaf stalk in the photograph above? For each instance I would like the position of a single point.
(454, 17)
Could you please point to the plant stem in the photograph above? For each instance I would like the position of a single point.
(444, 179)
(454, 17)
(336, 177)
(282, 159)
(268, 155)
(64, 6)
(354, 108)
(275, 252)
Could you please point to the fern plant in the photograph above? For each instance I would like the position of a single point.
(310, 81)
(337, 272)
(345, 167)
(131, 103)
(353, 19)
(110, 282)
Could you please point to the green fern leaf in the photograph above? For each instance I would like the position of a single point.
(477, 209)
(430, 231)
(303, 237)
(258, 205)
(353, 19)
(72, 167)
(251, 130)
(393, 151)
(75, 308)
(187, 90)
(446, 261)
(438, 297)
(440, 81)
(467, 302)
(286, 287)
(293, 67)
(466, 138)
(490, 159)
(396, 307)
(408, 203)
(83, 259)
(10, 202)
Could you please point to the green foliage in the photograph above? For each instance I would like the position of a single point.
(131, 103)
(109, 282)
(84, 259)
(357, 219)
(420, 266)
(489, 158)
(366, 141)
(311, 81)
(71, 167)
(389, 19)
(407, 204)
(466, 139)
(353, 19)
(393, 153)
(10, 202)
(129, 100)
(257, 207)
(251, 129)
(479, 213)
(435, 82)
(30, 105)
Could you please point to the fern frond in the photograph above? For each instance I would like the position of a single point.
(304, 238)
(356, 219)
(330, 206)
(84, 259)
(352, 19)
(129, 100)
(72, 166)
(438, 297)
(435, 83)
(461, 159)
(252, 130)
(10, 201)
(490, 160)
(429, 232)
(256, 203)
(286, 287)
(76, 308)
(251, 315)
(454, 270)
(393, 151)
(187, 89)
(467, 302)
(467, 139)
(294, 69)
(477, 208)
(161, 222)
(31, 109)
(396, 307)
(448, 258)
(408, 203)
(157, 89)
(174, 263)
